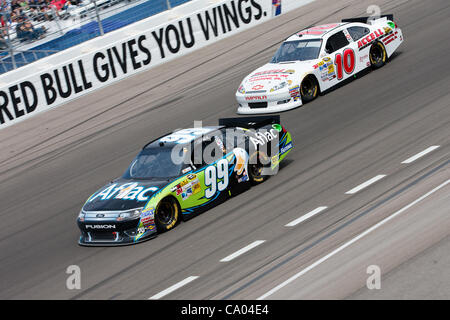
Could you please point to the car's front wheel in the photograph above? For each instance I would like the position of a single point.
(377, 55)
(309, 89)
(167, 214)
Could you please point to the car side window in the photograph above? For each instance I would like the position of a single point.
(336, 42)
(358, 32)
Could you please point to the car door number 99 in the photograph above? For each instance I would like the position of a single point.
(216, 178)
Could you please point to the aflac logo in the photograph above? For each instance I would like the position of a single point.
(127, 191)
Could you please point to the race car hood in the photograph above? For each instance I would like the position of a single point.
(120, 195)
(277, 75)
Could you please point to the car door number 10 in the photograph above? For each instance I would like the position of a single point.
(345, 62)
(216, 178)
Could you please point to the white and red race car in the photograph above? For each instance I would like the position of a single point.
(317, 59)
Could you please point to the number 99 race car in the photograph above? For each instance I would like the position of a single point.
(315, 60)
(183, 174)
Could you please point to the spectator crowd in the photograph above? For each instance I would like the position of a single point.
(22, 15)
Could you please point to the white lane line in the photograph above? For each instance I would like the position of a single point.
(366, 184)
(376, 226)
(305, 217)
(242, 251)
(420, 154)
(173, 288)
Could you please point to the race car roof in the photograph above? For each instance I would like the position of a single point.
(183, 136)
(316, 32)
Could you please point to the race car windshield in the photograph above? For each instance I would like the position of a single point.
(153, 163)
(301, 50)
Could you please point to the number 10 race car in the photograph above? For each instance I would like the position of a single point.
(315, 60)
(182, 174)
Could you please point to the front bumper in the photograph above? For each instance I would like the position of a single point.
(112, 233)
(90, 240)
(268, 103)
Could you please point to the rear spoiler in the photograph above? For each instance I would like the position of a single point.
(250, 122)
(366, 19)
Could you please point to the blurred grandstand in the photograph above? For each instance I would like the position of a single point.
(33, 29)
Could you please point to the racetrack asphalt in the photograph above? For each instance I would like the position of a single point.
(50, 164)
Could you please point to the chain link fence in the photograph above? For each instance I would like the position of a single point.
(33, 29)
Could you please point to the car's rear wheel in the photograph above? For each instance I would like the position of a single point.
(377, 55)
(167, 214)
(309, 89)
(257, 162)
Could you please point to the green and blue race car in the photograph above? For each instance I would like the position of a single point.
(182, 174)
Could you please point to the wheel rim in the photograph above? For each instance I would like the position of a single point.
(256, 169)
(166, 213)
(308, 87)
(376, 54)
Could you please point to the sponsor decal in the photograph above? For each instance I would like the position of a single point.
(367, 40)
(127, 191)
(274, 71)
(243, 179)
(387, 30)
(262, 138)
(295, 92)
(318, 30)
(186, 170)
(140, 230)
(147, 218)
(271, 75)
(256, 98)
(187, 187)
(186, 194)
(277, 127)
(241, 162)
(275, 160)
(326, 68)
(192, 176)
(276, 7)
(220, 144)
(390, 38)
(347, 35)
(100, 226)
(286, 148)
(258, 87)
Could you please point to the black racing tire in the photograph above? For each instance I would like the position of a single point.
(255, 168)
(377, 55)
(167, 214)
(309, 88)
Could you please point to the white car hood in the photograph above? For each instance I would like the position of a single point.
(270, 75)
